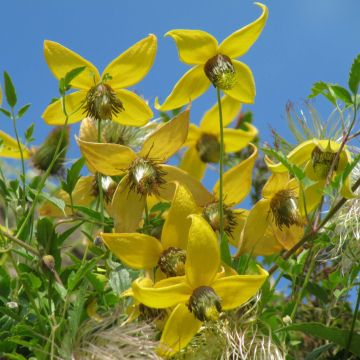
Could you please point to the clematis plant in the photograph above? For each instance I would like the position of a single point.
(203, 142)
(201, 294)
(144, 173)
(214, 64)
(101, 97)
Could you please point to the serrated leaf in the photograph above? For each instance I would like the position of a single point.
(354, 76)
(10, 92)
(322, 88)
(341, 93)
(23, 110)
(335, 335)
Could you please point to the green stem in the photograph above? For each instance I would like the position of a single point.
(21, 243)
(47, 172)
(147, 217)
(348, 344)
(99, 179)
(13, 117)
(312, 258)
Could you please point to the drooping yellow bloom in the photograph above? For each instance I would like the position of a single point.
(315, 158)
(237, 184)
(201, 295)
(204, 141)
(9, 147)
(101, 97)
(275, 222)
(213, 63)
(141, 251)
(144, 173)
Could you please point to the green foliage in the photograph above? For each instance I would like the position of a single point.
(10, 92)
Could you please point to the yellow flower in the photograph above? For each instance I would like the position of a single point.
(101, 97)
(237, 184)
(9, 147)
(201, 294)
(204, 141)
(142, 251)
(144, 173)
(315, 157)
(84, 194)
(213, 63)
(275, 222)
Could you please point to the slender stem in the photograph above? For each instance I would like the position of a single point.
(19, 242)
(348, 344)
(99, 179)
(313, 232)
(13, 117)
(221, 207)
(147, 217)
(312, 258)
(47, 172)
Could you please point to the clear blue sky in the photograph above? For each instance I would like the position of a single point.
(303, 42)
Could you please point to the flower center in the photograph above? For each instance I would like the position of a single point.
(172, 262)
(284, 207)
(321, 162)
(221, 72)
(108, 186)
(208, 147)
(205, 304)
(145, 176)
(211, 214)
(102, 103)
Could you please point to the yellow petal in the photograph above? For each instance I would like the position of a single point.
(264, 246)
(54, 114)
(202, 254)
(136, 111)
(83, 194)
(275, 183)
(168, 139)
(256, 225)
(240, 41)
(161, 297)
(288, 236)
(346, 190)
(298, 156)
(199, 192)
(194, 46)
(177, 224)
(244, 88)
(61, 60)
(133, 64)
(237, 181)
(310, 198)
(193, 136)
(138, 251)
(193, 84)
(240, 219)
(9, 147)
(179, 329)
(108, 159)
(192, 164)
(236, 139)
(127, 207)
(210, 121)
(236, 290)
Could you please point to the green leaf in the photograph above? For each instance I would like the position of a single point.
(120, 281)
(65, 82)
(341, 93)
(9, 90)
(23, 110)
(322, 88)
(6, 113)
(72, 176)
(354, 76)
(45, 233)
(29, 133)
(336, 335)
(60, 204)
(318, 351)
